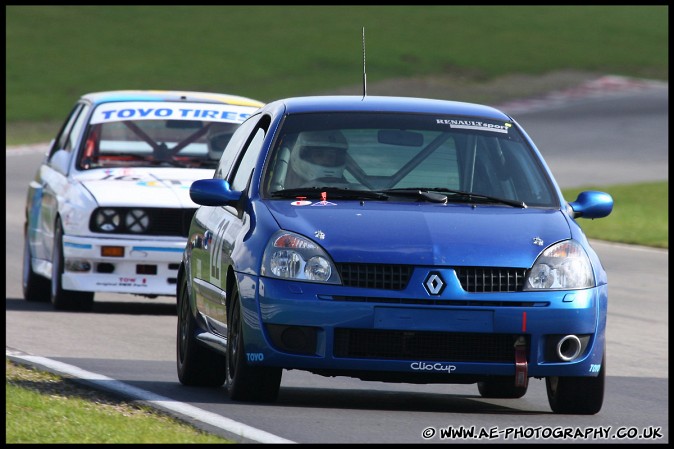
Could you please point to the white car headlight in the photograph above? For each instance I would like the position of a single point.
(563, 266)
(291, 256)
(107, 220)
(137, 221)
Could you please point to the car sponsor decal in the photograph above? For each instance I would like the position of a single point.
(141, 178)
(324, 201)
(163, 183)
(475, 125)
(435, 367)
(154, 110)
(255, 356)
(125, 282)
(301, 201)
(125, 173)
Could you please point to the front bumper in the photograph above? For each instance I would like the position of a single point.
(304, 326)
(147, 267)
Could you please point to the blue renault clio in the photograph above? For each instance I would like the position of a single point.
(391, 239)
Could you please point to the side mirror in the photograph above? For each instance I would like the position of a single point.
(591, 204)
(213, 192)
(60, 161)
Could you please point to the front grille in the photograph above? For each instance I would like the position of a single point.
(408, 345)
(485, 280)
(171, 221)
(161, 221)
(396, 277)
(379, 276)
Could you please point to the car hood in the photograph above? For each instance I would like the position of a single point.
(425, 233)
(155, 187)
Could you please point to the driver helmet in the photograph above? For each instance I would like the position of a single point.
(217, 137)
(319, 154)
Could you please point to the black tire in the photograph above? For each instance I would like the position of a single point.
(245, 382)
(577, 395)
(35, 287)
(63, 299)
(197, 365)
(501, 387)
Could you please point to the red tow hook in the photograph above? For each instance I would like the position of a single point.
(521, 377)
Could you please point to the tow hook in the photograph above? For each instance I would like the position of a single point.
(521, 377)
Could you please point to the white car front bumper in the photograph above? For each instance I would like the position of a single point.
(147, 267)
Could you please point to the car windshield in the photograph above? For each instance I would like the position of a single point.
(158, 135)
(406, 157)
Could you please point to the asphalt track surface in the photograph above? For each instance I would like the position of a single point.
(597, 134)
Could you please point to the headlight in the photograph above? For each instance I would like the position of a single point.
(563, 266)
(137, 221)
(291, 256)
(107, 220)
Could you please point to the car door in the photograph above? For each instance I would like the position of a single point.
(225, 226)
(51, 182)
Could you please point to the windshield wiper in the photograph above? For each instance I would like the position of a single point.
(332, 192)
(419, 193)
(455, 195)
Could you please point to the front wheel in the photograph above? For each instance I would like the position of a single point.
(197, 365)
(35, 287)
(63, 299)
(577, 395)
(246, 382)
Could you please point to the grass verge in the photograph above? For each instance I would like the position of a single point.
(44, 408)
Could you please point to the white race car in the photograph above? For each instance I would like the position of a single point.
(109, 209)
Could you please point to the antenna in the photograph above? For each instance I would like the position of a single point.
(364, 74)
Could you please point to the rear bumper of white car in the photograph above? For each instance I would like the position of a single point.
(144, 267)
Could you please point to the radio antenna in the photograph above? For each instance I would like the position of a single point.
(364, 73)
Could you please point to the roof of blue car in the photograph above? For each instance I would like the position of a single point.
(342, 103)
(169, 95)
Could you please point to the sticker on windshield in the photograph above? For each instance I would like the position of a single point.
(155, 110)
(301, 203)
(475, 125)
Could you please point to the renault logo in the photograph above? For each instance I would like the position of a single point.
(434, 283)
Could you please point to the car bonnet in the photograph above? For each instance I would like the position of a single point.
(423, 233)
(150, 187)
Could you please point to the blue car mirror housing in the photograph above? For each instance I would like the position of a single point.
(592, 204)
(213, 192)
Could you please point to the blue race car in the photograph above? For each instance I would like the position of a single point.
(391, 239)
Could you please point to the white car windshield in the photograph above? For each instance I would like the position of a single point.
(158, 135)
